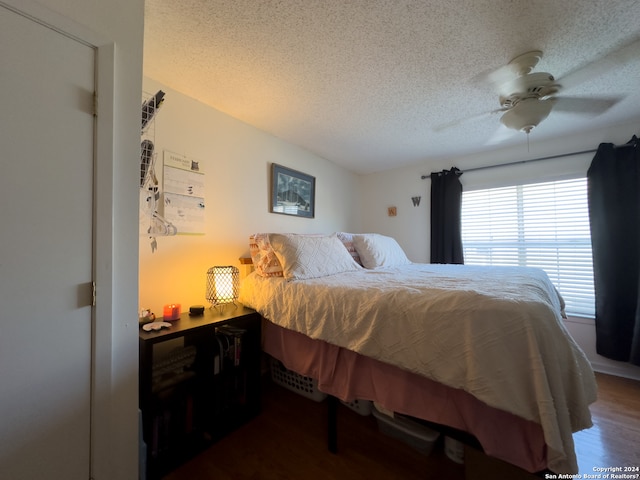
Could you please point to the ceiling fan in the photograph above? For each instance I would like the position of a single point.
(527, 98)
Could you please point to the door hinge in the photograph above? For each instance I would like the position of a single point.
(95, 104)
(93, 294)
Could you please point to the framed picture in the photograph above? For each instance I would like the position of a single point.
(292, 192)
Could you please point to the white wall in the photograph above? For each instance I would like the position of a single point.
(411, 227)
(236, 159)
(395, 188)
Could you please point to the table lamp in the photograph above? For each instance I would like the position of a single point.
(222, 285)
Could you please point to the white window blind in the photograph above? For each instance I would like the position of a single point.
(544, 225)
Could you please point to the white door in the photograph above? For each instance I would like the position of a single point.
(46, 247)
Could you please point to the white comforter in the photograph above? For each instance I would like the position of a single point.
(495, 332)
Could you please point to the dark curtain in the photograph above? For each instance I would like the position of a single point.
(446, 202)
(613, 181)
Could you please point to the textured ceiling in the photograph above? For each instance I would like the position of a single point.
(369, 84)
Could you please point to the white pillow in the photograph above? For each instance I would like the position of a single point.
(377, 250)
(311, 256)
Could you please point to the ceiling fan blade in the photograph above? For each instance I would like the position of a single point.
(628, 53)
(462, 121)
(521, 65)
(501, 134)
(499, 76)
(585, 105)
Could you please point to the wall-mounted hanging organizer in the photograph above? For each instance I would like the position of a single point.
(152, 224)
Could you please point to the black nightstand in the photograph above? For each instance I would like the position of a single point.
(199, 380)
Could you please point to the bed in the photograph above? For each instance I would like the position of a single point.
(464, 346)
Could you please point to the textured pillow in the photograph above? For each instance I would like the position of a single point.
(347, 241)
(265, 262)
(308, 256)
(377, 250)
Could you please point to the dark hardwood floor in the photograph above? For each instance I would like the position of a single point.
(614, 439)
(288, 441)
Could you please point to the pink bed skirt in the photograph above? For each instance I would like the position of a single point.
(348, 375)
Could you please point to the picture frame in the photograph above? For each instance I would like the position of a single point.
(292, 192)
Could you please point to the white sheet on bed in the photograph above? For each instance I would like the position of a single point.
(495, 332)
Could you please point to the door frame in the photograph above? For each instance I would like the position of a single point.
(102, 385)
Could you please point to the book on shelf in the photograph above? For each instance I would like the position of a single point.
(233, 343)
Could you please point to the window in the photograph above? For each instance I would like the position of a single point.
(544, 225)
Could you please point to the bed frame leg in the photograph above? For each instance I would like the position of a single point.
(332, 424)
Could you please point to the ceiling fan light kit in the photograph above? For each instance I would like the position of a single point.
(527, 114)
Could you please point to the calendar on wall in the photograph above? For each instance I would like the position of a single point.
(183, 193)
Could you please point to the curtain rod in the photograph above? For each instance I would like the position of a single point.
(551, 157)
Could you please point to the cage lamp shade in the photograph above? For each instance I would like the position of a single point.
(222, 285)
